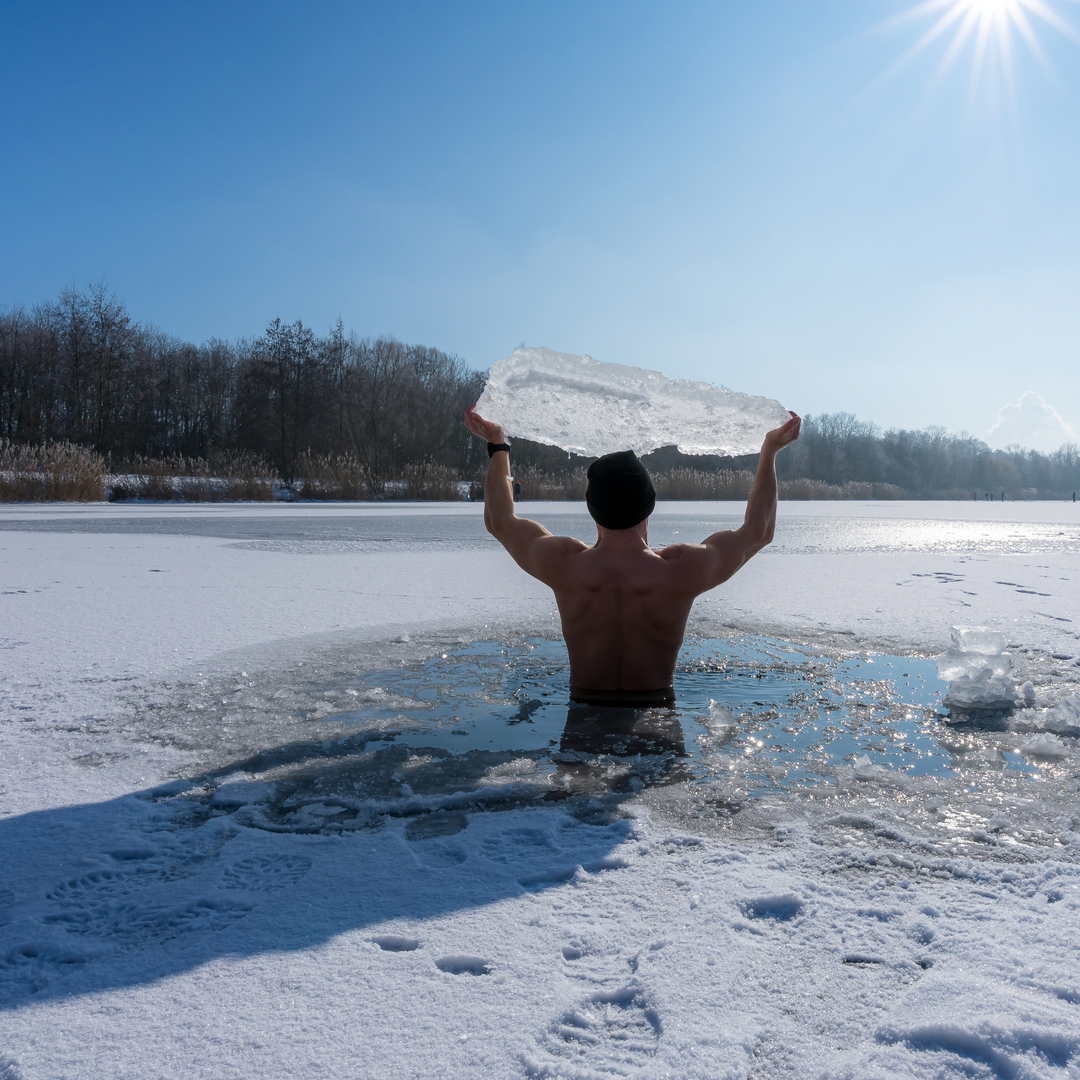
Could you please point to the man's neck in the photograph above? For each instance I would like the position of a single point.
(634, 538)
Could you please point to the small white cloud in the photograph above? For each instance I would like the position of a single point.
(1031, 422)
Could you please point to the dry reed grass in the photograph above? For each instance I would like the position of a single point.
(853, 489)
(694, 485)
(66, 472)
(55, 472)
(234, 477)
(539, 484)
(343, 477)
(336, 477)
(430, 481)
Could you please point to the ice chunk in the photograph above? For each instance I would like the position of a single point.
(981, 694)
(1064, 717)
(1044, 747)
(972, 666)
(241, 793)
(720, 719)
(977, 639)
(865, 769)
(1067, 710)
(591, 407)
(978, 670)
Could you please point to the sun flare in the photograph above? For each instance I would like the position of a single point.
(988, 28)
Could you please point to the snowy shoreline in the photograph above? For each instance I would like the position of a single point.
(871, 929)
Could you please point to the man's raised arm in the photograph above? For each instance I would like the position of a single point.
(726, 552)
(530, 545)
(759, 522)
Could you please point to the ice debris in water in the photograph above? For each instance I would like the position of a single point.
(977, 670)
(592, 407)
(719, 720)
(1044, 747)
(864, 769)
(1063, 718)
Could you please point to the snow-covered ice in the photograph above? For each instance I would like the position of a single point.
(593, 407)
(220, 862)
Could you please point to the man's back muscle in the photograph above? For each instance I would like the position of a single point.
(623, 616)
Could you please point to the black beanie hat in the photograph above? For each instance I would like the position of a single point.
(620, 494)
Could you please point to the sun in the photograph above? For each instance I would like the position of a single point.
(985, 27)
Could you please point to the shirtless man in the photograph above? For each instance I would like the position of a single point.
(624, 606)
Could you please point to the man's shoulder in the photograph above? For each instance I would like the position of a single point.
(558, 550)
(676, 552)
(570, 544)
(690, 567)
(537, 551)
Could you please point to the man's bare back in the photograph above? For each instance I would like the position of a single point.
(624, 606)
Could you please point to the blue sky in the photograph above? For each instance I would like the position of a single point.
(722, 191)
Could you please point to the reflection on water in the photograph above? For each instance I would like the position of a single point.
(649, 742)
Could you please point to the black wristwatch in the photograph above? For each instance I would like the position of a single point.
(495, 447)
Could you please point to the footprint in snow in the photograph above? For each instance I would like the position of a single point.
(516, 845)
(265, 873)
(128, 922)
(136, 903)
(779, 908)
(464, 965)
(103, 886)
(612, 1031)
(438, 855)
(574, 950)
(395, 943)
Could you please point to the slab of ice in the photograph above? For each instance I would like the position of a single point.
(1044, 747)
(1067, 711)
(977, 639)
(865, 769)
(975, 667)
(978, 670)
(241, 793)
(591, 407)
(1063, 718)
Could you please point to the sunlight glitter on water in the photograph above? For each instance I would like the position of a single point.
(760, 713)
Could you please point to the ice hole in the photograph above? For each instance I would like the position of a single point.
(752, 712)
(449, 730)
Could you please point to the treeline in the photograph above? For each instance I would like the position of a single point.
(841, 457)
(838, 449)
(80, 370)
(336, 415)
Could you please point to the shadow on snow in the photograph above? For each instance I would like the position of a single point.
(296, 845)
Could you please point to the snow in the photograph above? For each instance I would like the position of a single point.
(162, 667)
(593, 407)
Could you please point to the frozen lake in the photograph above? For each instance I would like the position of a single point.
(966, 528)
(323, 756)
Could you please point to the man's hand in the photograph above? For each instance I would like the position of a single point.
(485, 429)
(784, 435)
